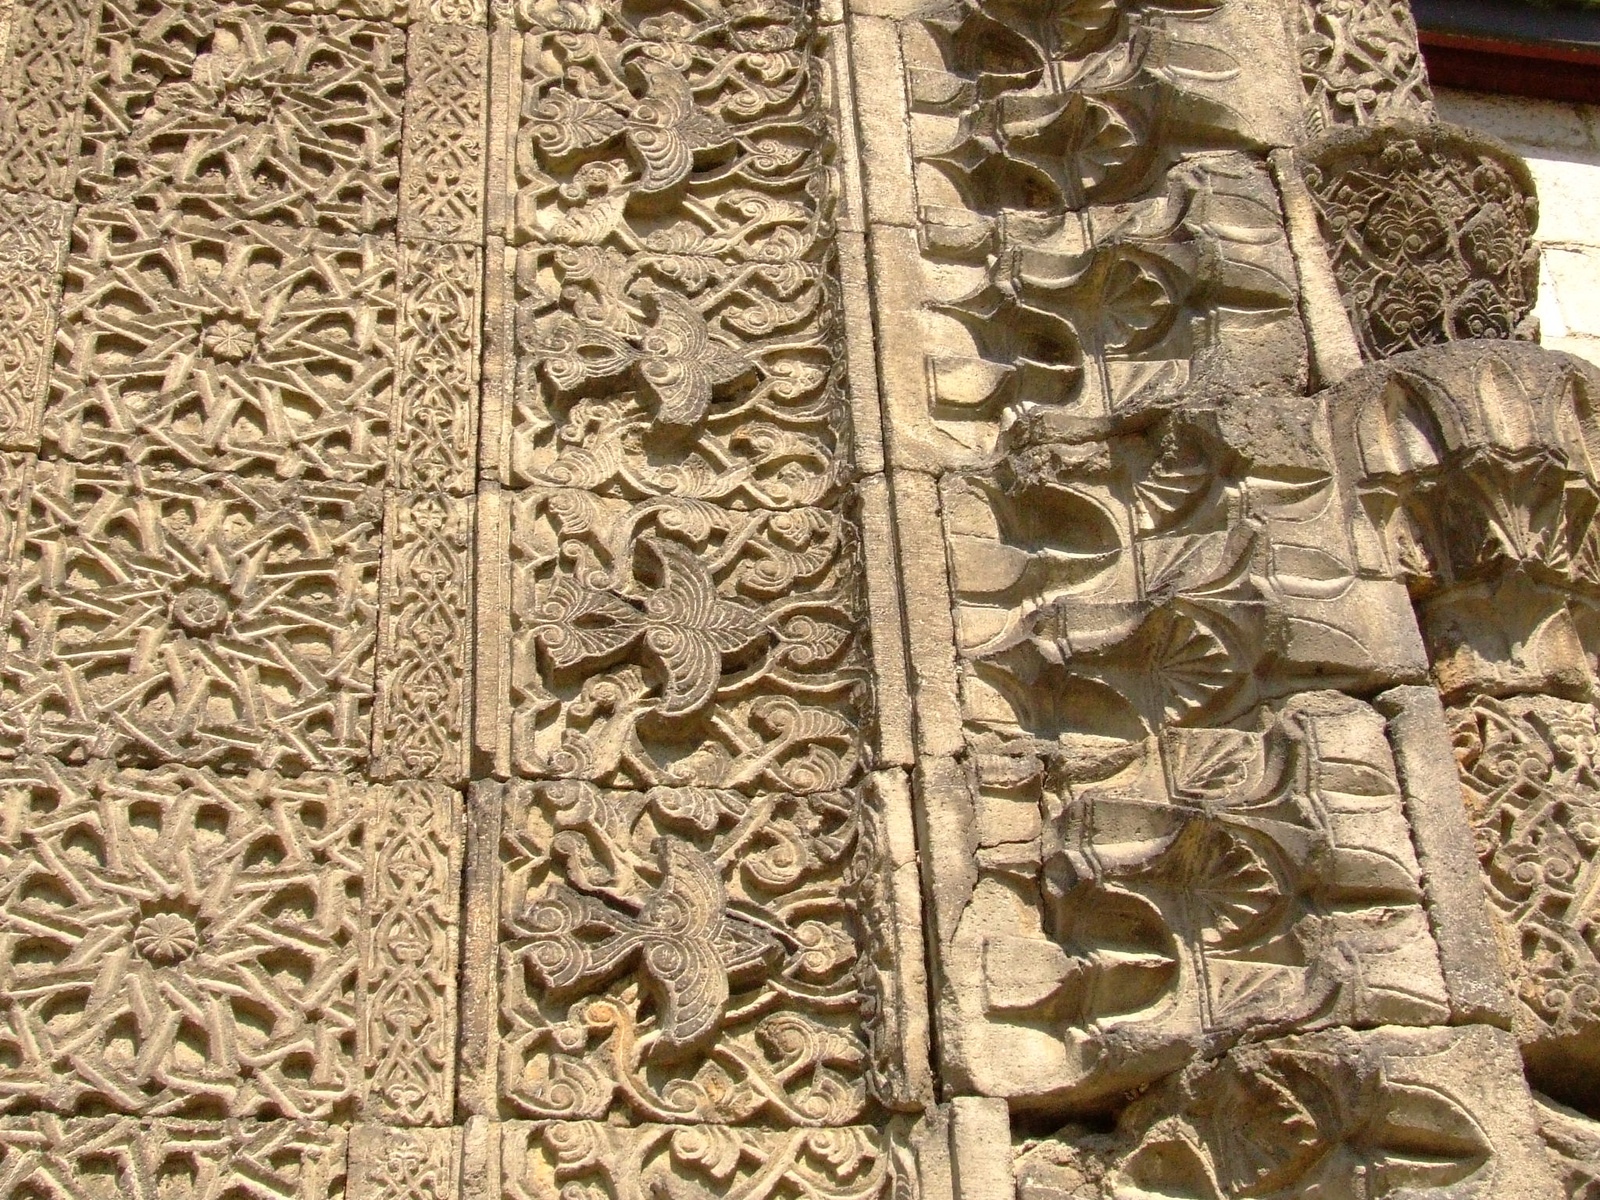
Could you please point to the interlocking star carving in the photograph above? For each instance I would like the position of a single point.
(686, 940)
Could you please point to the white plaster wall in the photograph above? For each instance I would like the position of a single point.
(1562, 145)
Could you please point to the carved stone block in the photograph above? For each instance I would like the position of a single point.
(181, 617)
(33, 241)
(1177, 572)
(421, 725)
(677, 954)
(446, 107)
(549, 1160)
(433, 438)
(672, 642)
(1418, 1112)
(179, 943)
(1360, 64)
(1431, 233)
(227, 346)
(108, 1158)
(1059, 107)
(404, 1164)
(1133, 904)
(668, 309)
(43, 48)
(1187, 297)
(1528, 771)
(231, 110)
(1572, 1142)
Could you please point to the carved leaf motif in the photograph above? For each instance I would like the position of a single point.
(686, 942)
(681, 365)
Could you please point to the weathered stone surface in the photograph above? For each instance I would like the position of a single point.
(1572, 1142)
(844, 491)
(182, 943)
(159, 616)
(677, 955)
(1138, 903)
(103, 1158)
(1389, 1112)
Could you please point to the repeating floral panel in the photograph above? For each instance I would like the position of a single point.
(182, 617)
(673, 642)
(232, 346)
(1360, 63)
(235, 111)
(678, 954)
(670, 296)
(549, 1161)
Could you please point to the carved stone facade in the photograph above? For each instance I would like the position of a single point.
(617, 599)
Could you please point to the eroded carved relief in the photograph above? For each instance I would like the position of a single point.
(1360, 64)
(247, 348)
(42, 63)
(675, 313)
(181, 617)
(674, 642)
(1572, 1142)
(219, 110)
(677, 955)
(100, 1158)
(33, 240)
(1430, 229)
(548, 1160)
(1136, 903)
(1383, 1113)
(179, 943)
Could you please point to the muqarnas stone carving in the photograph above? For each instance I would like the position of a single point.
(1385, 1112)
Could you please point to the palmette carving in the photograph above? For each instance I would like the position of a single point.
(159, 616)
(421, 720)
(676, 317)
(222, 110)
(441, 170)
(1134, 902)
(544, 1161)
(678, 955)
(103, 1158)
(232, 346)
(42, 62)
(1431, 233)
(673, 642)
(1361, 64)
(33, 239)
(1382, 1113)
